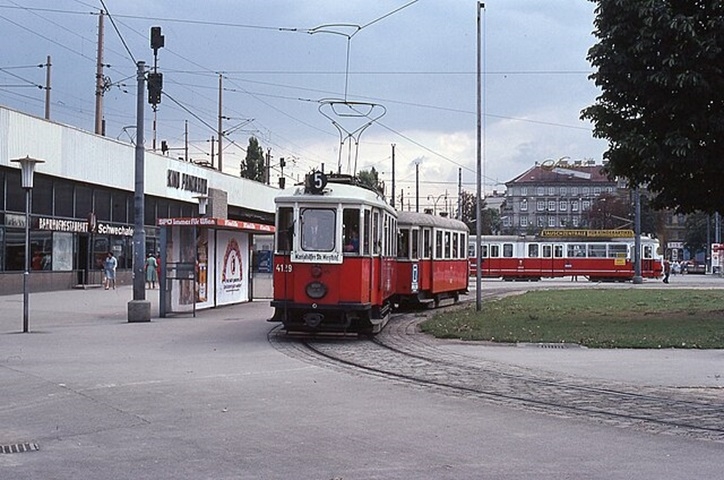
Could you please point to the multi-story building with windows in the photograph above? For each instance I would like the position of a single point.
(554, 195)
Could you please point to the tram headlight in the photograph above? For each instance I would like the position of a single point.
(316, 290)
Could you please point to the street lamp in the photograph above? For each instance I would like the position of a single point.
(27, 165)
(434, 201)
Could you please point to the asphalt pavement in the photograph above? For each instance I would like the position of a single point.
(209, 397)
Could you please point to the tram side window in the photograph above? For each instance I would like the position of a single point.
(648, 251)
(376, 233)
(463, 242)
(547, 251)
(596, 250)
(447, 245)
(471, 250)
(617, 250)
(415, 243)
(494, 251)
(366, 234)
(350, 230)
(576, 250)
(558, 251)
(438, 244)
(533, 250)
(508, 250)
(285, 229)
(483, 251)
(403, 241)
(426, 243)
(455, 241)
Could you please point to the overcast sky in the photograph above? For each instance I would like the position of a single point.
(414, 59)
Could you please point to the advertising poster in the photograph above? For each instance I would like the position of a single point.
(232, 272)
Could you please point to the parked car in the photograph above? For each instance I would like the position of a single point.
(693, 267)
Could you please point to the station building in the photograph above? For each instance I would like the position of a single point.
(83, 204)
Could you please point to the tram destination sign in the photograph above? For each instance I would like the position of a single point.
(587, 233)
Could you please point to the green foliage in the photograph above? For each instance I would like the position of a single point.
(254, 165)
(660, 66)
(609, 318)
(490, 218)
(371, 179)
(696, 232)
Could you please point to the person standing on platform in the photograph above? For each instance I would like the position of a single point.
(109, 270)
(151, 271)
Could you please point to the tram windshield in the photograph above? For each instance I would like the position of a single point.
(318, 227)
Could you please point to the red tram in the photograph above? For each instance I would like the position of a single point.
(432, 262)
(599, 255)
(334, 261)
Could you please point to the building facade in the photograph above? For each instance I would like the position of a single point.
(554, 195)
(83, 202)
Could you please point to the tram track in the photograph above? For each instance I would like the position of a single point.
(402, 354)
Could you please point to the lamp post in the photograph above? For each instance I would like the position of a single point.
(27, 165)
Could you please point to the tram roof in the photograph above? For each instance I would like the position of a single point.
(429, 220)
(332, 194)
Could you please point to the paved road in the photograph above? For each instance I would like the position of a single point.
(210, 397)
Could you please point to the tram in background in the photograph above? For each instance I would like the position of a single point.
(334, 260)
(432, 263)
(599, 255)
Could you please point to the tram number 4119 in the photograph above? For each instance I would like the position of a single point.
(284, 267)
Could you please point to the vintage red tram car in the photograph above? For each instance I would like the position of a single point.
(432, 262)
(599, 255)
(334, 260)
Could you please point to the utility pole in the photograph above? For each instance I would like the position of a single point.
(459, 216)
(47, 88)
(393, 176)
(479, 195)
(417, 185)
(100, 87)
(267, 167)
(186, 140)
(219, 131)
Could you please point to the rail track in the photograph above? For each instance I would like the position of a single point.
(401, 354)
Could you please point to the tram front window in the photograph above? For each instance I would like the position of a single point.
(318, 229)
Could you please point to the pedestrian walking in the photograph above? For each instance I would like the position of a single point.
(667, 271)
(109, 270)
(151, 271)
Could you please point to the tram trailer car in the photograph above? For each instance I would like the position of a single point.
(432, 262)
(597, 255)
(334, 260)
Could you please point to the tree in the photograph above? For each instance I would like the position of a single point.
(609, 211)
(253, 166)
(371, 179)
(696, 239)
(660, 66)
(490, 217)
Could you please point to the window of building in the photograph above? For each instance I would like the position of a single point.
(575, 221)
(63, 198)
(103, 206)
(574, 206)
(586, 191)
(597, 191)
(506, 221)
(609, 189)
(540, 191)
(540, 205)
(574, 190)
(524, 221)
(524, 205)
(551, 191)
(563, 191)
(523, 191)
(562, 205)
(541, 221)
(551, 205)
(42, 195)
(551, 221)
(586, 204)
(83, 201)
